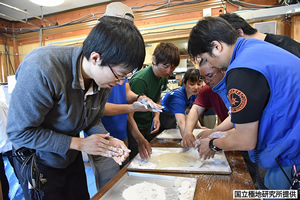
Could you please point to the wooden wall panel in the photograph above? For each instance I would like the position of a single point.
(295, 27)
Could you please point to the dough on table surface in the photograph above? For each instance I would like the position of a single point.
(174, 160)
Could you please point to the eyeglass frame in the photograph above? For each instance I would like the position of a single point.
(209, 78)
(123, 77)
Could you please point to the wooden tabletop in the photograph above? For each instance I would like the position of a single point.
(209, 186)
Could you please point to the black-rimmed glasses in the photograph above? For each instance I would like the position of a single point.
(122, 78)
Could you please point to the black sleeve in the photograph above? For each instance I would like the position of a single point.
(248, 93)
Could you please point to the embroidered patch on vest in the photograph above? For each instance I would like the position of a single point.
(237, 99)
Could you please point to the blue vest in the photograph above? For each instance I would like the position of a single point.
(279, 126)
(117, 125)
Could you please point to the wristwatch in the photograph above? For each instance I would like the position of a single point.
(212, 146)
(139, 96)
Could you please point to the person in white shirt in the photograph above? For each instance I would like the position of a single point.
(5, 146)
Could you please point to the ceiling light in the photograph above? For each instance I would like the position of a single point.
(48, 3)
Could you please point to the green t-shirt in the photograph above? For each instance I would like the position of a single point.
(145, 82)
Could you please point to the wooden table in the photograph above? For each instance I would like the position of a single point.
(209, 186)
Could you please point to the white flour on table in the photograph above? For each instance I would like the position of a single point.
(164, 159)
(145, 191)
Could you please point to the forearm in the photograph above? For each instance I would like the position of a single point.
(226, 125)
(181, 128)
(131, 96)
(180, 119)
(157, 114)
(76, 143)
(192, 120)
(242, 138)
(132, 127)
(198, 124)
(116, 109)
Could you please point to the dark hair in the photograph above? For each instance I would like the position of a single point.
(191, 74)
(118, 41)
(167, 53)
(208, 30)
(238, 23)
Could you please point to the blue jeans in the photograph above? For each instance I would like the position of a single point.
(275, 178)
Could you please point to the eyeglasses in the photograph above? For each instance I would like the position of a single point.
(209, 77)
(122, 78)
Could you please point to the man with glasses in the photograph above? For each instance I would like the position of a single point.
(151, 81)
(61, 91)
(261, 92)
(206, 99)
(118, 114)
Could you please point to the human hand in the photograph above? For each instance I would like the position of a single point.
(156, 125)
(197, 143)
(216, 134)
(188, 140)
(204, 151)
(204, 134)
(98, 144)
(198, 125)
(137, 106)
(149, 103)
(120, 144)
(145, 149)
(202, 127)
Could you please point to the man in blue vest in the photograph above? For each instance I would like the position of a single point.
(261, 91)
(245, 30)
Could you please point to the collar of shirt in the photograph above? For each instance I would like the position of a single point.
(93, 89)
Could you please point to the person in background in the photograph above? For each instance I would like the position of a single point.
(151, 81)
(121, 101)
(245, 30)
(177, 103)
(61, 91)
(266, 123)
(205, 100)
(5, 146)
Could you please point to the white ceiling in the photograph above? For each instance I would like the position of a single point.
(36, 9)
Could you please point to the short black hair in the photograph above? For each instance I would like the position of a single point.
(167, 53)
(118, 41)
(238, 23)
(191, 74)
(207, 30)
